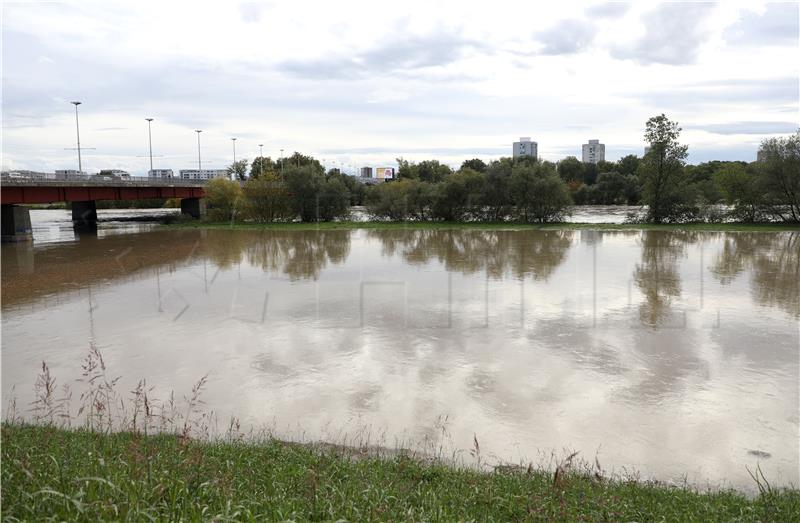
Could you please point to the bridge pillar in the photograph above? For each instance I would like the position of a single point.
(84, 216)
(16, 224)
(194, 207)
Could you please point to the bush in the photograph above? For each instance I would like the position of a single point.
(401, 200)
(266, 199)
(223, 197)
(334, 200)
(538, 193)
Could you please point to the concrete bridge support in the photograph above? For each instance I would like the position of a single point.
(84, 215)
(194, 207)
(16, 224)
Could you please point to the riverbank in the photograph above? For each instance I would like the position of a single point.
(54, 473)
(721, 227)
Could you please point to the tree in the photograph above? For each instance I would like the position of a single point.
(742, 190)
(262, 165)
(304, 185)
(571, 169)
(538, 193)
(661, 172)
(427, 170)
(614, 188)
(334, 200)
(496, 199)
(223, 198)
(628, 164)
(238, 169)
(476, 164)
(456, 196)
(299, 160)
(779, 171)
(266, 198)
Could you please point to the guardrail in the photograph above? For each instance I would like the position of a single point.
(75, 180)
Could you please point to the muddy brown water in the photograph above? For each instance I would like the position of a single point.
(675, 354)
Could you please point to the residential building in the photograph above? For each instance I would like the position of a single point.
(594, 152)
(160, 173)
(525, 147)
(203, 174)
(366, 172)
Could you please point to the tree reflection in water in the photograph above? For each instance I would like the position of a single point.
(533, 254)
(774, 262)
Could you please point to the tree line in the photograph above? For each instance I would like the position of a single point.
(525, 189)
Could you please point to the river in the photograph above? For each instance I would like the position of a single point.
(674, 354)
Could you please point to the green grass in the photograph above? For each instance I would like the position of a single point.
(56, 474)
(752, 227)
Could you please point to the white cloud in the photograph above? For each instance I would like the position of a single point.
(430, 80)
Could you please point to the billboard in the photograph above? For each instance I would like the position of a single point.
(384, 173)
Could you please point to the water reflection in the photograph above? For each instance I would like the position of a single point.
(657, 275)
(773, 259)
(674, 352)
(468, 251)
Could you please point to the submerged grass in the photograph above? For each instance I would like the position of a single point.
(722, 227)
(55, 473)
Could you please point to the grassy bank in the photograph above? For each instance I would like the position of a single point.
(50, 473)
(750, 227)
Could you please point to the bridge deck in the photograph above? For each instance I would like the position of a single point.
(24, 190)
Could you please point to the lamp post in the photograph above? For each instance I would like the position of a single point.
(78, 130)
(150, 141)
(234, 173)
(199, 163)
(261, 156)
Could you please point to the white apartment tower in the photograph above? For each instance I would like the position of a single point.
(525, 147)
(594, 152)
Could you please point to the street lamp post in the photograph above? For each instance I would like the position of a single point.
(235, 173)
(78, 130)
(261, 156)
(199, 163)
(150, 142)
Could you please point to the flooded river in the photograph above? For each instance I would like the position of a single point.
(675, 354)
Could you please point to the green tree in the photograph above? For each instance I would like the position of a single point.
(334, 200)
(458, 195)
(304, 185)
(614, 188)
(238, 170)
(742, 190)
(262, 165)
(223, 197)
(266, 198)
(571, 169)
(628, 165)
(427, 170)
(661, 172)
(496, 200)
(476, 164)
(539, 194)
(779, 171)
(299, 160)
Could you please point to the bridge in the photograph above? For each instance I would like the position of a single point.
(83, 191)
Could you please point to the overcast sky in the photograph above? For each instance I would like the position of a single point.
(361, 83)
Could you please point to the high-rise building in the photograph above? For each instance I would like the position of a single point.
(594, 152)
(366, 172)
(525, 147)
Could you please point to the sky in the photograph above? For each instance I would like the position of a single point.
(362, 83)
